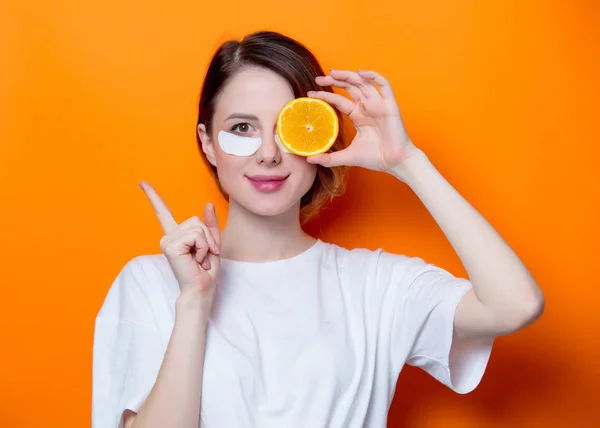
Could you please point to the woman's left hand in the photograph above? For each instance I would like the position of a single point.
(381, 142)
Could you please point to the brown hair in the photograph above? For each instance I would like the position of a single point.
(299, 67)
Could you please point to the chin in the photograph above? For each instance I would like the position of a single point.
(267, 210)
(268, 204)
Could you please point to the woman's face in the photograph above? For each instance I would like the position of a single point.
(270, 181)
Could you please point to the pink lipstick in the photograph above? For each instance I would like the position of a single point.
(267, 183)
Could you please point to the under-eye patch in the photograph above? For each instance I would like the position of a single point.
(243, 146)
(237, 145)
(281, 146)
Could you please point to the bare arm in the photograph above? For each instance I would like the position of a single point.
(192, 249)
(505, 297)
(175, 399)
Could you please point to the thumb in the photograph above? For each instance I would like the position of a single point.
(339, 158)
(212, 222)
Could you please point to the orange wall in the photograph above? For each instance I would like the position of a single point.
(503, 97)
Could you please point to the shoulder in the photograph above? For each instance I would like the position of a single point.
(374, 263)
(346, 256)
(152, 267)
(145, 272)
(141, 281)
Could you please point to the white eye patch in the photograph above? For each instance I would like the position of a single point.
(281, 146)
(237, 145)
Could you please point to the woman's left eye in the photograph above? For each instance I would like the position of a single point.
(242, 128)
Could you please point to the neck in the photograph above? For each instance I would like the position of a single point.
(256, 238)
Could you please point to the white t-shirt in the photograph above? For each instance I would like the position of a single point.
(316, 340)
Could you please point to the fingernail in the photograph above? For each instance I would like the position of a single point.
(310, 93)
(217, 248)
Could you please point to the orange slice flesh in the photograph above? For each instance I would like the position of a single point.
(307, 126)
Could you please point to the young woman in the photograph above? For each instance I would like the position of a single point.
(262, 325)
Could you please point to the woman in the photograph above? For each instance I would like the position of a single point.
(262, 325)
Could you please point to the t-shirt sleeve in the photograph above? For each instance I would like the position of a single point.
(424, 299)
(127, 351)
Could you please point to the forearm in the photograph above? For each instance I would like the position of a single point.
(500, 280)
(175, 399)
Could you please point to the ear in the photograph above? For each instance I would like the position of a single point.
(207, 144)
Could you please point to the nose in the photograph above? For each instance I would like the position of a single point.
(268, 153)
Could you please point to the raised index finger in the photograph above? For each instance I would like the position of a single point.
(163, 213)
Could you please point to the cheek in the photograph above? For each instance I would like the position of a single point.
(229, 167)
(306, 171)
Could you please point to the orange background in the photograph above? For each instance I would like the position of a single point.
(503, 97)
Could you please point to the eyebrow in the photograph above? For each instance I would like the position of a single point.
(242, 116)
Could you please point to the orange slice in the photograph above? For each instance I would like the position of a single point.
(307, 126)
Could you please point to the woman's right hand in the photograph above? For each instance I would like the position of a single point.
(192, 247)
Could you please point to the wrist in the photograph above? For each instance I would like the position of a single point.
(193, 306)
(408, 170)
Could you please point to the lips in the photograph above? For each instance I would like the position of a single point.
(267, 183)
(264, 178)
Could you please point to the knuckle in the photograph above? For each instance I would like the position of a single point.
(195, 220)
(201, 242)
(163, 243)
(167, 247)
(199, 230)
